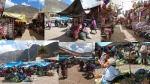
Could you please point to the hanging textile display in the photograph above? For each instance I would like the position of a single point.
(104, 6)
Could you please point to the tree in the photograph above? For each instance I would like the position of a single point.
(42, 50)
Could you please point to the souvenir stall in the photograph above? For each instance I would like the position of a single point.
(138, 19)
(107, 21)
(11, 24)
(38, 22)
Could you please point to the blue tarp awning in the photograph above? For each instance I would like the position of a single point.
(103, 43)
(28, 65)
(12, 64)
(63, 57)
(85, 58)
(1, 66)
(43, 63)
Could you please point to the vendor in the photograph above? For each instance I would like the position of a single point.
(81, 64)
(112, 74)
(83, 26)
(93, 25)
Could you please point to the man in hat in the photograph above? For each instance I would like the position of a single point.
(112, 74)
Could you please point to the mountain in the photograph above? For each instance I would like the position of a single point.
(29, 11)
(55, 5)
(9, 56)
(32, 53)
(53, 49)
(22, 55)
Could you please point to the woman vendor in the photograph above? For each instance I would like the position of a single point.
(93, 25)
(76, 31)
(143, 51)
(64, 69)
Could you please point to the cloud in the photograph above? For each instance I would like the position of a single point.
(9, 3)
(44, 42)
(24, 3)
(6, 48)
(23, 44)
(80, 50)
(2, 41)
(66, 45)
(80, 47)
(71, 0)
(42, 2)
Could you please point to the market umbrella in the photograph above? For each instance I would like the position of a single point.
(75, 10)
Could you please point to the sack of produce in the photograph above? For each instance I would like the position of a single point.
(83, 36)
(89, 36)
(140, 71)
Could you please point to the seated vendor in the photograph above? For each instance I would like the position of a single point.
(83, 26)
(112, 74)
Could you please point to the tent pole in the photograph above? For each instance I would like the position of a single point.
(129, 59)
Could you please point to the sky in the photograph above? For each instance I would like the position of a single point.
(12, 45)
(34, 3)
(78, 47)
(10, 3)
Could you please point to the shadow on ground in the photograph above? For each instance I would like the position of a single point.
(36, 35)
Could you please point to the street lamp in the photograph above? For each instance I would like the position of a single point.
(28, 44)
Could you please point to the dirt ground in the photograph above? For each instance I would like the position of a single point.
(30, 35)
(56, 33)
(75, 77)
(122, 34)
(39, 80)
(123, 68)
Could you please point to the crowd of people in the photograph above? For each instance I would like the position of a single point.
(84, 66)
(118, 52)
(79, 29)
(24, 74)
(113, 53)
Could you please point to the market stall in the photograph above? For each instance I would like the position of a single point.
(127, 57)
(137, 18)
(107, 21)
(12, 25)
(38, 23)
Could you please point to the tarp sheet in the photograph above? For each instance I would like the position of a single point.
(104, 43)
(19, 17)
(28, 65)
(43, 63)
(75, 10)
(63, 57)
(85, 58)
(12, 64)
